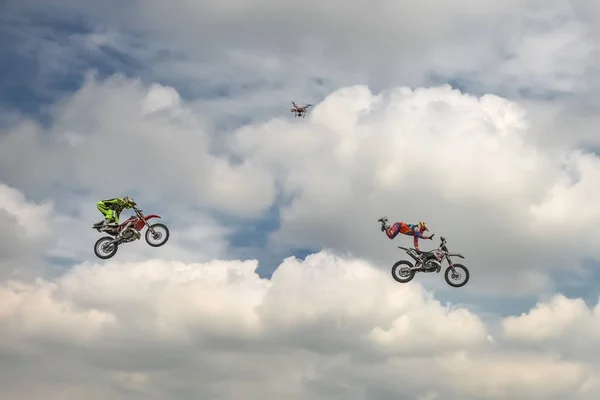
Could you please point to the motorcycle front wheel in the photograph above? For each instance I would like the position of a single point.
(459, 271)
(401, 271)
(161, 235)
(104, 249)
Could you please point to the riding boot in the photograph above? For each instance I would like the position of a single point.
(108, 224)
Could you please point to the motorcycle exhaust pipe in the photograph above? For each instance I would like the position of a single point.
(416, 267)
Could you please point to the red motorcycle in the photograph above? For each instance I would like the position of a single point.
(107, 246)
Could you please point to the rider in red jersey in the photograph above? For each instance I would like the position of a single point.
(414, 230)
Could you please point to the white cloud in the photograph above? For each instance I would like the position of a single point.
(326, 327)
(470, 166)
(161, 98)
(547, 48)
(34, 310)
(202, 239)
(257, 61)
(503, 180)
(510, 45)
(517, 376)
(549, 321)
(31, 218)
(24, 227)
(32, 235)
(264, 56)
(106, 140)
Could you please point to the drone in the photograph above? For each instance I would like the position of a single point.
(300, 111)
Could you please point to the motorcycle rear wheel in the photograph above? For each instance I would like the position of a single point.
(458, 267)
(104, 241)
(407, 274)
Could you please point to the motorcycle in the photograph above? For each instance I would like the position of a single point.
(107, 246)
(429, 261)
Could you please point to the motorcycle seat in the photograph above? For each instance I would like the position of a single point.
(423, 252)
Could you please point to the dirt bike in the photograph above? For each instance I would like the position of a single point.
(429, 261)
(107, 246)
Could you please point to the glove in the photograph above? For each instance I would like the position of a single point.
(431, 237)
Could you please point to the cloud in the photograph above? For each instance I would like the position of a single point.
(113, 126)
(25, 226)
(35, 237)
(257, 62)
(261, 57)
(470, 166)
(550, 321)
(201, 136)
(545, 50)
(565, 326)
(326, 327)
(31, 218)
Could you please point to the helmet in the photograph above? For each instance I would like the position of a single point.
(128, 200)
(423, 226)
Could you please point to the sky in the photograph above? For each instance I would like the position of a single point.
(479, 118)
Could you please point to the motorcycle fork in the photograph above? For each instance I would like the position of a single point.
(141, 216)
(150, 228)
(450, 263)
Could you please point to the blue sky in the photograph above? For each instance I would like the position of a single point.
(28, 36)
